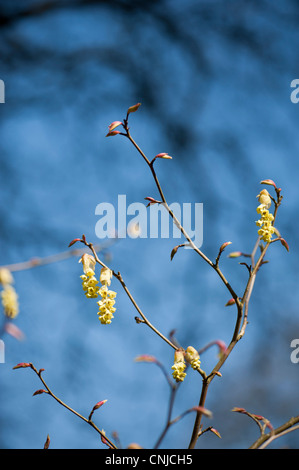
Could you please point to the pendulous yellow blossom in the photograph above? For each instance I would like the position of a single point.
(179, 366)
(5, 276)
(10, 303)
(106, 305)
(89, 263)
(89, 281)
(90, 286)
(265, 223)
(192, 357)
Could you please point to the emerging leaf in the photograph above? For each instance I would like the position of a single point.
(113, 125)
(284, 243)
(270, 182)
(134, 108)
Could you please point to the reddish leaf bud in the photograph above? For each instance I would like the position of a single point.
(164, 155)
(113, 125)
(224, 245)
(74, 241)
(239, 410)
(39, 392)
(230, 302)
(217, 433)
(152, 201)
(96, 407)
(112, 133)
(22, 364)
(99, 404)
(134, 108)
(284, 243)
(270, 182)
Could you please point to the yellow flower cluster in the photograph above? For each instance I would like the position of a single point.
(179, 366)
(192, 357)
(89, 281)
(106, 305)
(93, 290)
(265, 222)
(9, 296)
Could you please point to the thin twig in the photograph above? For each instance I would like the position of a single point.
(91, 423)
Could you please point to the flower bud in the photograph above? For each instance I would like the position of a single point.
(89, 263)
(192, 357)
(106, 276)
(264, 198)
(235, 254)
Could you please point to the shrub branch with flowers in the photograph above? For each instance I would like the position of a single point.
(97, 286)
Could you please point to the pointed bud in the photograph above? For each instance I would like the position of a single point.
(230, 302)
(113, 125)
(112, 133)
(217, 433)
(96, 407)
(235, 254)
(151, 201)
(237, 409)
(224, 245)
(39, 392)
(173, 252)
(22, 364)
(164, 155)
(270, 182)
(99, 404)
(47, 443)
(134, 108)
(284, 243)
(74, 241)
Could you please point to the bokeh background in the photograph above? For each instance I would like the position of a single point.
(214, 80)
